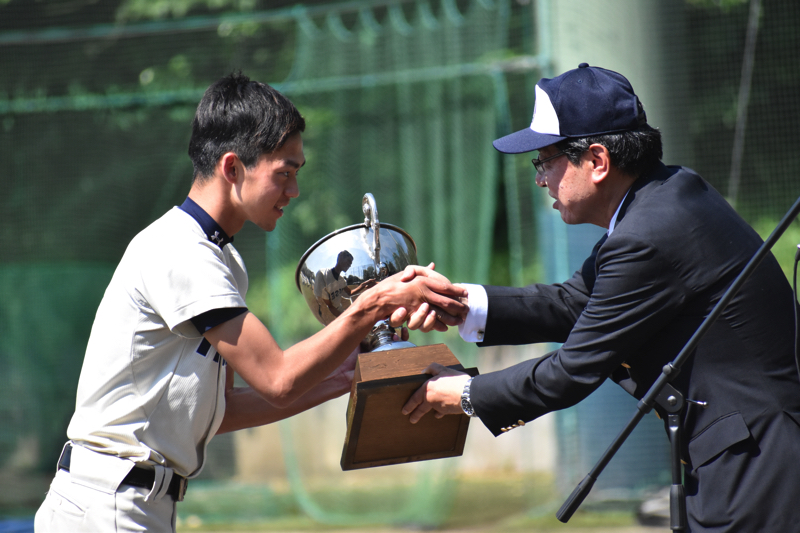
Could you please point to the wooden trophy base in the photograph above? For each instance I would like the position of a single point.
(378, 433)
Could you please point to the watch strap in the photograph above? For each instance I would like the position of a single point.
(466, 401)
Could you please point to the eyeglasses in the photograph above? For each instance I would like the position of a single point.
(539, 163)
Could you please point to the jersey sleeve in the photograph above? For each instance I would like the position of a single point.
(191, 279)
(210, 319)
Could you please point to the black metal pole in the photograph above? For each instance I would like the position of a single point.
(672, 369)
(677, 492)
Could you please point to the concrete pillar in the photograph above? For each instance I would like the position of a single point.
(642, 40)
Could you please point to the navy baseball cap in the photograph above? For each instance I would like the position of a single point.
(579, 103)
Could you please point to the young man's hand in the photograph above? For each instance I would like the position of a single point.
(446, 309)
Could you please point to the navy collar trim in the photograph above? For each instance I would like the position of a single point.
(213, 231)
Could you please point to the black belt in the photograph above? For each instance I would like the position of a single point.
(137, 477)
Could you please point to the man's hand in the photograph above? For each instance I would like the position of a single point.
(442, 394)
(429, 315)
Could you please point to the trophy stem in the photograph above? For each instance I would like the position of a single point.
(382, 338)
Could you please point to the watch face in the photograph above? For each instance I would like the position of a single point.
(466, 406)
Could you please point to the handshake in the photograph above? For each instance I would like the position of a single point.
(442, 304)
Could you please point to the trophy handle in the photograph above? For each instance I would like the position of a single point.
(370, 209)
(382, 334)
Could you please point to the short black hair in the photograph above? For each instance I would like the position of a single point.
(633, 152)
(245, 117)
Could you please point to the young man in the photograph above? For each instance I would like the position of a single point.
(173, 326)
(673, 247)
(331, 288)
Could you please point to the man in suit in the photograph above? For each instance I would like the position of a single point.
(672, 249)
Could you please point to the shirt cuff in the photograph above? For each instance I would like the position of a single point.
(472, 329)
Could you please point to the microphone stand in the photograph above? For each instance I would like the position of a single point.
(671, 400)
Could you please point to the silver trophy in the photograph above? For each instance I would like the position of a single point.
(345, 263)
(331, 275)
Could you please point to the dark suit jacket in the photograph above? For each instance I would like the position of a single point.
(676, 248)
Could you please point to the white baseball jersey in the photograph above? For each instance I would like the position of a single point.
(152, 388)
(329, 287)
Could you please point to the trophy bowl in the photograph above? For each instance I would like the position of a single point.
(343, 264)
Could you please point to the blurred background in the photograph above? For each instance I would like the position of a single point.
(402, 99)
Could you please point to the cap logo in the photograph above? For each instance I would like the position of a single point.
(545, 119)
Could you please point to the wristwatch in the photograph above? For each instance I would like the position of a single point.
(466, 404)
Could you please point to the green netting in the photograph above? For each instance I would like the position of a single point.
(402, 99)
(401, 121)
